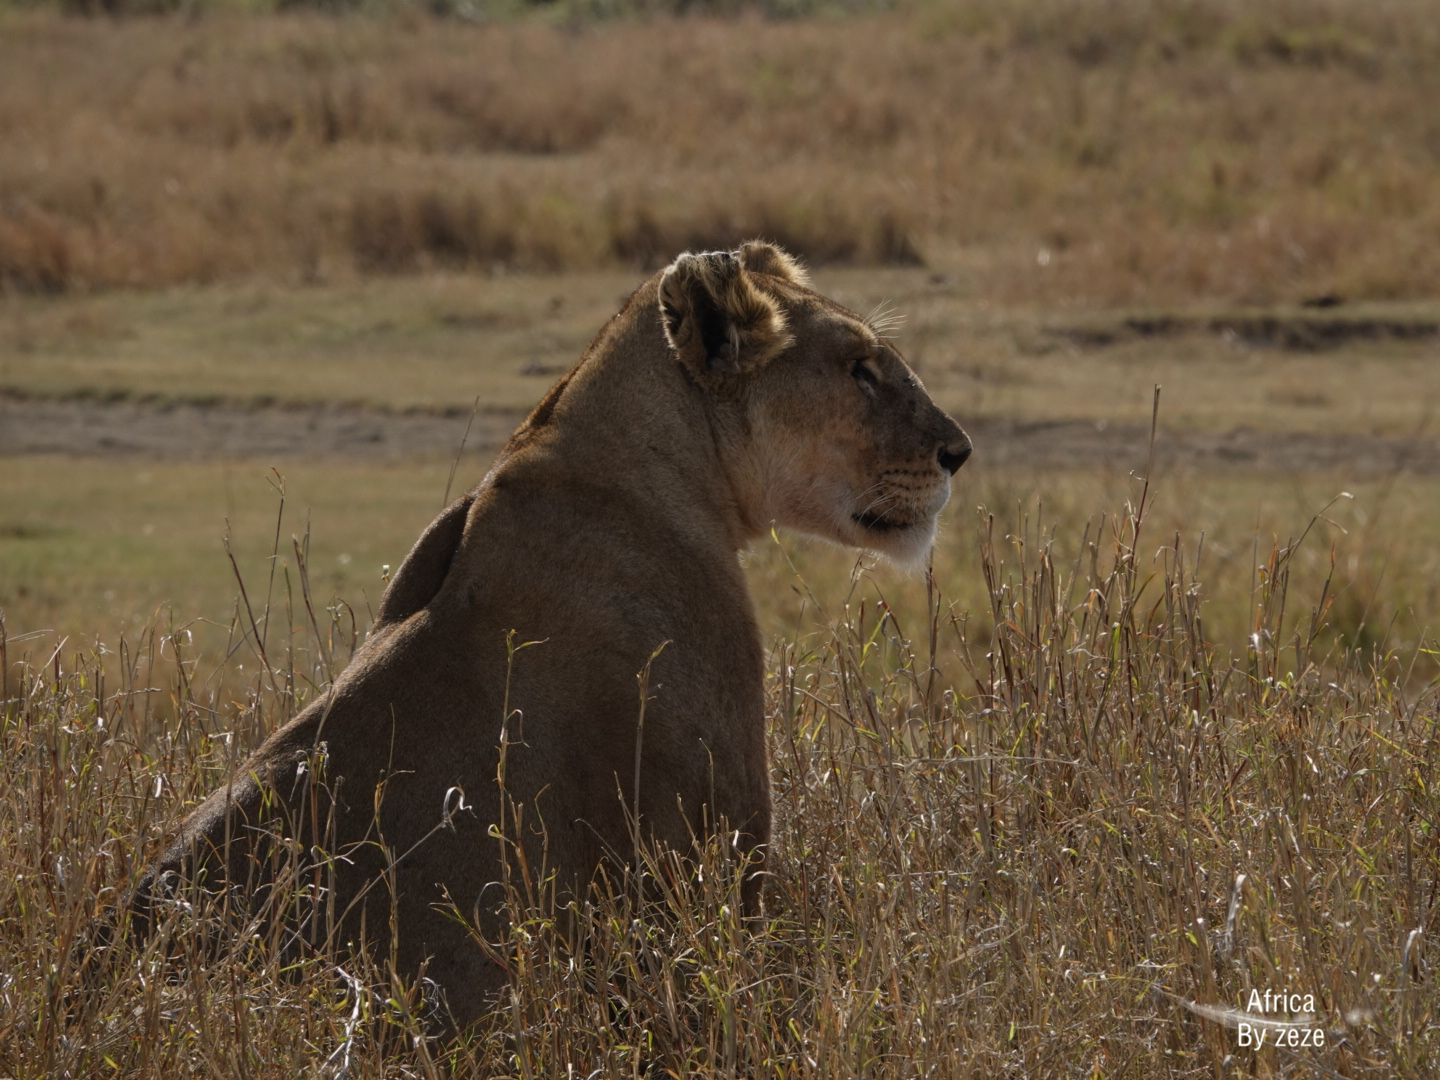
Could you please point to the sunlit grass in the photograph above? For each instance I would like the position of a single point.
(89, 548)
(1031, 840)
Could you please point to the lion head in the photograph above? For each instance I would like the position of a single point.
(836, 438)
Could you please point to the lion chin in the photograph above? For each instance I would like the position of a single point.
(488, 729)
(906, 545)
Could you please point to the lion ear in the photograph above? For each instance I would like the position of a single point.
(716, 319)
(760, 257)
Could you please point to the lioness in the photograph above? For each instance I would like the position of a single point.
(725, 396)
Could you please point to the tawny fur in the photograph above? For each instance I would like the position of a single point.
(761, 258)
(724, 397)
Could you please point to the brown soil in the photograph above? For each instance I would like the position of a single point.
(198, 432)
(1310, 331)
(190, 432)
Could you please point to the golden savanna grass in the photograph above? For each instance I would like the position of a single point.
(1019, 840)
(1046, 151)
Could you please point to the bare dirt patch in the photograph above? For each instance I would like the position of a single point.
(1312, 330)
(193, 432)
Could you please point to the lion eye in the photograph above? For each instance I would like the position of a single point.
(864, 373)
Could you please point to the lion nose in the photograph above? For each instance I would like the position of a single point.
(954, 455)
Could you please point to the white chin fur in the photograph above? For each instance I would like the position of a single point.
(908, 549)
(823, 511)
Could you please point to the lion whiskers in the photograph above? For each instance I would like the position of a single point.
(884, 320)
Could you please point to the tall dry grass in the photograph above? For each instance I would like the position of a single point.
(1058, 836)
(1049, 151)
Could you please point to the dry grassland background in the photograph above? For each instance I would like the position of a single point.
(1160, 729)
(1087, 152)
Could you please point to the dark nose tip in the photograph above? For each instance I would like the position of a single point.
(952, 457)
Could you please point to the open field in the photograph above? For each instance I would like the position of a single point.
(437, 342)
(1044, 152)
(433, 342)
(92, 549)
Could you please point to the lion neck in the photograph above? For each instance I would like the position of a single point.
(648, 433)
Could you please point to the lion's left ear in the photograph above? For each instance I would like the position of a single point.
(716, 319)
